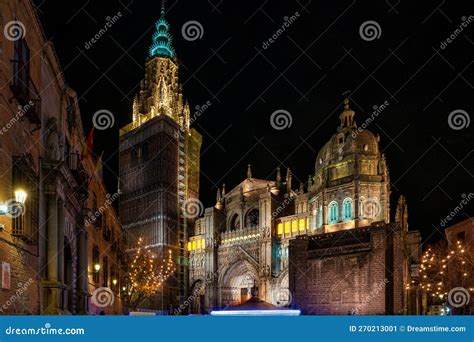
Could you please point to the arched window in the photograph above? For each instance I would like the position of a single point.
(234, 222)
(333, 216)
(347, 212)
(251, 220)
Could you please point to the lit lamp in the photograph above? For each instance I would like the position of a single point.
(97, 267)
(14, 207)
(20, 196)
(114, 281)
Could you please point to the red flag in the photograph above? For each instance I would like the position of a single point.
(90, 141)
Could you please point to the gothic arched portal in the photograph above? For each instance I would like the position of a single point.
(236, 283)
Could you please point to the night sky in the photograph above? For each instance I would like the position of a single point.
(304, 71)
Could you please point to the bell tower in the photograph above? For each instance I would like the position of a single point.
(159, 166)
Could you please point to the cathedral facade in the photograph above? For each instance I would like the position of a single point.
(244, 240)
(159, 165)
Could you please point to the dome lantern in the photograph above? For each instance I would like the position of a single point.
(347, 115)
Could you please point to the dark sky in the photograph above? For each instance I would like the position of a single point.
(305, 71)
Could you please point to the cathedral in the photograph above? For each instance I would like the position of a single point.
(327, 248)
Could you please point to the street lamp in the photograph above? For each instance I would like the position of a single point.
(20, 196)
(15, 206)
(97, 267)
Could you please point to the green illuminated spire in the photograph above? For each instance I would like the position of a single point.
(162, 40)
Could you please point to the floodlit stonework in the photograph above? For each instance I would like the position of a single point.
(298, 246)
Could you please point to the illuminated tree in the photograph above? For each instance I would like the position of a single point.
(146, 274)
(443, 269)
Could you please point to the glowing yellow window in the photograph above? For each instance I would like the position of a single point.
(280, 228)
(189, 245)
(287, 227)
(203, 243)
(294, 226)
(198, 243)
(301, 224)
(194, 245)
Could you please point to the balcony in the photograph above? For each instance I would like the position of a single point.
(25, 92)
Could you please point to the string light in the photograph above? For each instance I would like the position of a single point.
(442, 269)
(147, 274)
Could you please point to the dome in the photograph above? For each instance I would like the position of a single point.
(348, 141)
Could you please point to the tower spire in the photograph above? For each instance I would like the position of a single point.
(162, 39)
(249, 171)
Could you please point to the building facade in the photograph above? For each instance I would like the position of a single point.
(159, 166)
(44, 245)
(245, 238)
(20, 118)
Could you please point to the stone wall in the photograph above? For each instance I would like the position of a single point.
(360, 271)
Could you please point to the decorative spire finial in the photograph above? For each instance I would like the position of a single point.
(278, 176)
(218, 199)
(288, 181)
(135, 110)
(347, 115)
(249, 171)
(162, 40)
